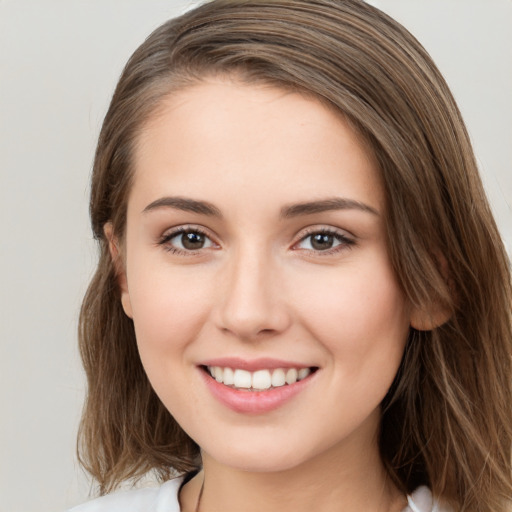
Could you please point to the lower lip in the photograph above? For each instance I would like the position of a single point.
(254, 402)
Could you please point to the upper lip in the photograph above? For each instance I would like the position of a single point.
(252, 365)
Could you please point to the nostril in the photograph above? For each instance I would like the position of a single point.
(267, 331)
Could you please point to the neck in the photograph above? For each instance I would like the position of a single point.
(324, 484)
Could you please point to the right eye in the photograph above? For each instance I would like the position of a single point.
(186, 240)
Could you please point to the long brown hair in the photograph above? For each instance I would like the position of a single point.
(447, 419)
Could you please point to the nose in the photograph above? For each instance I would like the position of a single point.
(252, 301)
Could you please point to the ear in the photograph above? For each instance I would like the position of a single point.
(437, 313)
(436, 316)
(119, 266)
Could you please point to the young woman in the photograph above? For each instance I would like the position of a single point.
(302, 300)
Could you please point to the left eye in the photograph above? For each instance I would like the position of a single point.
(323, 241)
(189, 240)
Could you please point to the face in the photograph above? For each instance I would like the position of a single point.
(267, 314)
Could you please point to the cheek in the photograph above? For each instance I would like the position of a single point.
(169, 310)
(358, 313)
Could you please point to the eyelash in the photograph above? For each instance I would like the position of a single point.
(345, 242)
(165, 239)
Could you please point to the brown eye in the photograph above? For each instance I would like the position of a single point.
(193, 241)
(322, 241)
(185, 240)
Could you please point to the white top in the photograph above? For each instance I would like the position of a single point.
(165, 499)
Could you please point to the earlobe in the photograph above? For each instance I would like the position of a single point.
(440, 310)
(422, 320)
(117, 261)
(127, 305)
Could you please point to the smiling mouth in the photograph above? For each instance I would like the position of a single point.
(260, 380)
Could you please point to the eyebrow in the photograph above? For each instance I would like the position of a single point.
(294, 210)
(325, 205)
(185, 204)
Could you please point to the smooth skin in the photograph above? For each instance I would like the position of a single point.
(255, 276)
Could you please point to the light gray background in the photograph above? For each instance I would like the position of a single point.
(59, 61)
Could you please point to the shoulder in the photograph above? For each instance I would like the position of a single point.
(421, 500)
(152, 499)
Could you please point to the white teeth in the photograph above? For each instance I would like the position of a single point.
(303, 373)
(261, 379)
(229, 375)
(217, 373)
(258, 380)
(291, 376)
(278, 378)
(242, 379)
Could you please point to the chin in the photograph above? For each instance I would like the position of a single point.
(259, 456)
(261, 462)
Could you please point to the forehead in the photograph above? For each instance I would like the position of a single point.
(221, 132)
